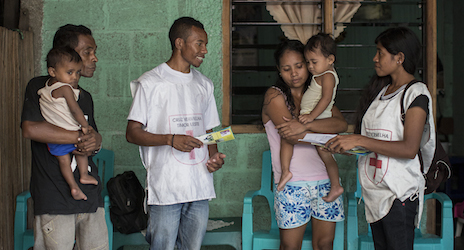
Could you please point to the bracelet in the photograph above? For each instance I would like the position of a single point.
(172, 140)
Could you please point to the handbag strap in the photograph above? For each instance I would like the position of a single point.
(403, 116)
(403, 113)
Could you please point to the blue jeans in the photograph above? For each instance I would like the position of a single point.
(183, 225)
(395, 231)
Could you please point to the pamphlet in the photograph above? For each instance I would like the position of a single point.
(215, 137)
(321, 139)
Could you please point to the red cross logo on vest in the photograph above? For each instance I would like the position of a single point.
(374, 162)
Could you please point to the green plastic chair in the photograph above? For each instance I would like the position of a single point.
(357, 241)
(105, 163)
(254, 240)
(24, 237)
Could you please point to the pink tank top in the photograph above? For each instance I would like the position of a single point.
(306, 165)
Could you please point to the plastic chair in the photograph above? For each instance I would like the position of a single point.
(105, 163)
(459, 215)
(120, 240)
(356, 241)
(270, 239)
(24, 237)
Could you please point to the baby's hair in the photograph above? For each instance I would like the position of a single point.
(60, 54)
(324, 42)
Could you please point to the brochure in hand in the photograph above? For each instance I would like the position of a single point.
(215, 137)
(321, 139)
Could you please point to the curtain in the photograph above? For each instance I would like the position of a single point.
(296, 13)
(309, 13)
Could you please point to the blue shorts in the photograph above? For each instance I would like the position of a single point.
(299, 201)
(60, 149)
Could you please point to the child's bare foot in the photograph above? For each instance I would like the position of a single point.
(335, 191)
(88, 179)
(284, 178)
(77, 194)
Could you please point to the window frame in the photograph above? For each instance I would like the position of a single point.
(328, 25)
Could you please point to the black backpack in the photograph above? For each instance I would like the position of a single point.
(126, 203)
(439, 171)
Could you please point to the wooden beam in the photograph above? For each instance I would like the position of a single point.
(328, 16)
(431, 50)
(226, 65)
(431, 79)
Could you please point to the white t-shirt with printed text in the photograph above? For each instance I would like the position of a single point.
(167, 101)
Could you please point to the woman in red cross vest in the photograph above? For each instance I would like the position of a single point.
(390, 177)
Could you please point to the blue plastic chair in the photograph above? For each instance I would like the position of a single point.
(270, 239)
(357, 241)
(24, 237)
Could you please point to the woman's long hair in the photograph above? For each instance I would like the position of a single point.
(394, 40)
(289, 45)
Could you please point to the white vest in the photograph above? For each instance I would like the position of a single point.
(384, 178)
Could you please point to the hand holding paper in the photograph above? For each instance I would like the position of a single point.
(321, 140)
(215, 137)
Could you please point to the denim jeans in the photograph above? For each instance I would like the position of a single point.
(59, 232)
(183, 225)
(396, 230)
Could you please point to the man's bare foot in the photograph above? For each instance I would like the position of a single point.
(77, 194)
(335, 191)
(88, 179)
(284, 178)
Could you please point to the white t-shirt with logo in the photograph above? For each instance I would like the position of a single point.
(167, 101)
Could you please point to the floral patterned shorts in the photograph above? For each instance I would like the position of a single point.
(299, 201)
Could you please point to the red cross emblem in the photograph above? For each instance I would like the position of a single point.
(375, 163)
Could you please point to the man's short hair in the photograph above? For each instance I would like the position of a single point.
(61, 54)
(181, 29)
(68, 35)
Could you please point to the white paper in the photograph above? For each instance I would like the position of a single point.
(321, 140)
(317, 138)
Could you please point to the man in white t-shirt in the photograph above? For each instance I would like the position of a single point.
(173, 103)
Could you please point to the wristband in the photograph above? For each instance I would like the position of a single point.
(172, 140)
